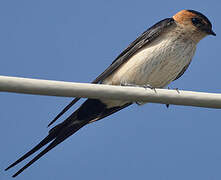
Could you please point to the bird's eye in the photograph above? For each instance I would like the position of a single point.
(196, 21)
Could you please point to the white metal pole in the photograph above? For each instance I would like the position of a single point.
(133, 94)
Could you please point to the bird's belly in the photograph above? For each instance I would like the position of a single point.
(160, 73)
(156, 65)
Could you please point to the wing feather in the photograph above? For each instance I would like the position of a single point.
(145, 38)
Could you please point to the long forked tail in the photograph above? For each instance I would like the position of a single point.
(91, 110)
(56, 135)
(36, 148)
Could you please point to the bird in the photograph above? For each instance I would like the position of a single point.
(160, 55)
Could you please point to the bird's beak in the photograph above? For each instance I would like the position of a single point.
(210, 32)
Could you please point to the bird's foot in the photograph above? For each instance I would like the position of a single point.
(167, 105)
(135, 85)
(177, 90)
(143, 86)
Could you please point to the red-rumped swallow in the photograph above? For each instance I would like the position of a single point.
(157, 57)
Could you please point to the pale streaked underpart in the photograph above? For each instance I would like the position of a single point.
(157, 64)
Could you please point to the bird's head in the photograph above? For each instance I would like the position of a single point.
(194, 23)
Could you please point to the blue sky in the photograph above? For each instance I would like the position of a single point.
(75, 41)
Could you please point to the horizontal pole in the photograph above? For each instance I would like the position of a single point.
(86, 90)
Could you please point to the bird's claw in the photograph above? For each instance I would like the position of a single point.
(177, 90)
(167, 105)
(138, 103)
(143, 86)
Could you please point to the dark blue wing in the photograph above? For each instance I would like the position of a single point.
(147, 37)
(182, 72)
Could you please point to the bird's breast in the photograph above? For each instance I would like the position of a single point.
(156, 64)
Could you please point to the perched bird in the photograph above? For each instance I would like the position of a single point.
(157, 57)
